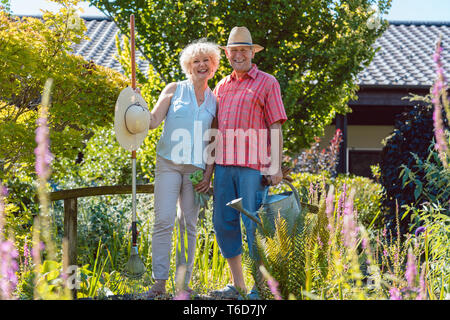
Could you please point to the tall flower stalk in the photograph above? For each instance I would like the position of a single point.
(440, 100)
(8, 257)
(42, 236)
(43, 169)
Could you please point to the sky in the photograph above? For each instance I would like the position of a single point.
(404, 10)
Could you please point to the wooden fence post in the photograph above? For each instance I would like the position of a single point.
(70, 235)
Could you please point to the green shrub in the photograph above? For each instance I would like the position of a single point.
(430, 180)
(368, 199)
(413, 134)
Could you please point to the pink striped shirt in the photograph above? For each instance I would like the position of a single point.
(246, 108)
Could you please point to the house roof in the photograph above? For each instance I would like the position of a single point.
(406, 53)
(405, 58)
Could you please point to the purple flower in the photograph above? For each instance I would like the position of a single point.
(342, 199)
(438, 88)
(43, 155)
(273, 286)
(3, 191)
(182, 295)
(411, 271)
(8, 256)
(419, 230)
(26, 252)
(349, 224)
(394, 294)
(42, 152)
(271, 282)
(330, 208)
(364, 243)
(8, 268)
(441, 144)
(423, 288)
(319, 242)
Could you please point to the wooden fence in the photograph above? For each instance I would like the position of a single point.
(70, 198)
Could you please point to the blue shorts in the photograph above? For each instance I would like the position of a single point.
(232, 182)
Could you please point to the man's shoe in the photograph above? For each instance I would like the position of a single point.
(229, 292)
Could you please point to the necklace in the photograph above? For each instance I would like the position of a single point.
(200, 98)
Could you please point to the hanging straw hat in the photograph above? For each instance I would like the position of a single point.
(240, 36)
(131, 119)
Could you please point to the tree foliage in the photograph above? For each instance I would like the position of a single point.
(83, 95)
(315, 48)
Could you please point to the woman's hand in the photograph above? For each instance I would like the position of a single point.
(204, 185)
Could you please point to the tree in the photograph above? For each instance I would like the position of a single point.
(83, 95)
(315, 48)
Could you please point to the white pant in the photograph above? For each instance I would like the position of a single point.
(172, 185)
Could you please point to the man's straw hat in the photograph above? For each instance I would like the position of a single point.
(240, 36)
(131, 119)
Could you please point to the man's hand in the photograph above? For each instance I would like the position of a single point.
(276, 178)
(285, 171)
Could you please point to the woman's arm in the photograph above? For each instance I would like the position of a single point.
(159, 112)
(204, 185)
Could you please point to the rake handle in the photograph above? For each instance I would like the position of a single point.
(133, 153)
(133, 199)
(133, 53)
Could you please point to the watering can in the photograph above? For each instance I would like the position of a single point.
(287, 205)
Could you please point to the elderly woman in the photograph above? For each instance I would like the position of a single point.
(188, 108)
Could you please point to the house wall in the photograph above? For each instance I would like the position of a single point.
(359, 137)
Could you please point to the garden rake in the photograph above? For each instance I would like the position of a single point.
(134, 268)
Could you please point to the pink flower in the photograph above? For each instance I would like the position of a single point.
(423, 288)
(43, 155)
(342, 199)
(438, 87)
(271, 282)
(182, 295)
(349, 224)
(273, 286)
(364, 243)
(26, 252)
(394, 294)
(8, 268)
(330, 208)
(411, 271)
(319, 242)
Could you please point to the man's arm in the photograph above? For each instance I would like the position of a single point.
(276, 152)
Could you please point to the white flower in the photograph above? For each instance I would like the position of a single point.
(374, 21)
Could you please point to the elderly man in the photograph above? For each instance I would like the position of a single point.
(249, 118)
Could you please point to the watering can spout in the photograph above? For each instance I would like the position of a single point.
(237, 205)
